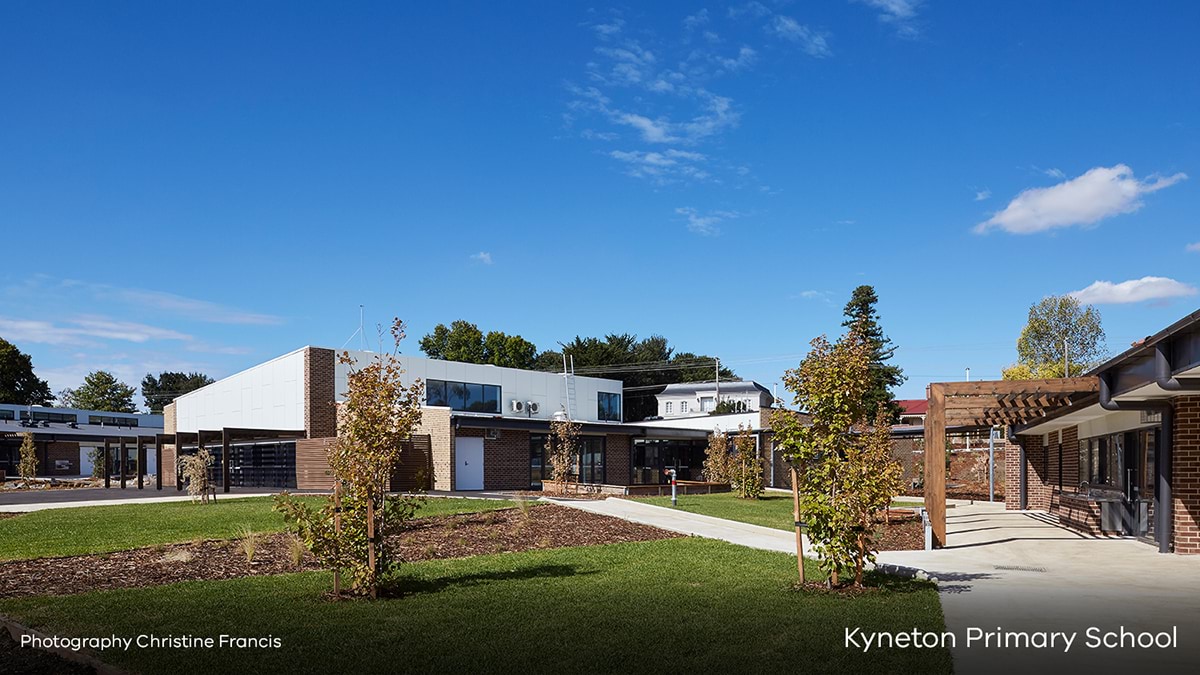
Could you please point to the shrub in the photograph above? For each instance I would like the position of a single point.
(562, 446)
(248, 541)
(748, 466)
(27, 467)
(296, 548)
(718, 461)
(194, 469)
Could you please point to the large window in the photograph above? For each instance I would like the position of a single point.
(668, 408)
(683, 407)
(112, 421)
(465, 396)
(44, 416)
(588, 465)
(609, 407)
(7, 415)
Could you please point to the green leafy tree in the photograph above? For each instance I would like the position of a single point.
(100, 391)
(861, 317)
(161, 390)
(463, 341)
(356, 528)
(748, 466)
(718, 460)
(1062, 338)
(28, 464)
(839, 472)
(18, 384)
(729, 406)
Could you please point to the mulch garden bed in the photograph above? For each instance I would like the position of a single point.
(508, 530)
(904, 533)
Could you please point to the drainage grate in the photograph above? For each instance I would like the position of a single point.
(1019, 568)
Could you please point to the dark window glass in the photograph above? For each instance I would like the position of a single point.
(43, 416)
(435, 392)
(109, 420)
(7, 415)
(456, 395)
(609, 407)
(464, 396)
(475, 398)
(491, 398)
(538, 471)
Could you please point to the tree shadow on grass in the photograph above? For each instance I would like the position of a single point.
(403, 585)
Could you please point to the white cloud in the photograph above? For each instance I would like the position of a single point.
(1055, 173)
(199, 310)
(1134, 290)
(752, 9)
(705, 223)
(900, 14)
(1100, 193)
(744, 59)
(814, 43)
(83, 331)
(983, 194)
(1193, 248)
(483, 257)
(663, 167)
(652, 131)
(696, 20)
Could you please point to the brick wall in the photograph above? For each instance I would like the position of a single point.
(1185, 475)
(617, 456)
(169, 418)
(1039, 491)
(436, 423)
(505, 459)
(320, 412)
(49, 454)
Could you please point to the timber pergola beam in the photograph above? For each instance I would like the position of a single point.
(976, 406)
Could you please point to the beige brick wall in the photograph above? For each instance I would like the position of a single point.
(169, 418)
(436, 423)
(320, 412)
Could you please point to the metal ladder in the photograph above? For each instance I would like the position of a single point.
(569, 383)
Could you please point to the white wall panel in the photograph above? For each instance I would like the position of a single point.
(267, 396)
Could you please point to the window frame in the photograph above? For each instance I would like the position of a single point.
(451, 390)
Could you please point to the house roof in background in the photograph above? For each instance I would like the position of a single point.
(914, 406)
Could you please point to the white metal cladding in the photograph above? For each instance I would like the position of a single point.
(267, 396)
(546, 389)
(727, 423)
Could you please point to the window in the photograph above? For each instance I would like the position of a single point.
(589, 466)
(465, 396)
(7, 415)
(668, 409)
(44, 416)
(609, 407)
(707, 404)
(112, 421)
(683, 407)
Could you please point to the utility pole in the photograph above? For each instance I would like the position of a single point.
(717, 366)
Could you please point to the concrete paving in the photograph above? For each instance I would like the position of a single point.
(24, 501)
(1022, 571)
(744, 534)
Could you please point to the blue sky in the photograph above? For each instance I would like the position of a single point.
(204, 187)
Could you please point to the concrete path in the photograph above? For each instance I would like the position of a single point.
(1022, 571)
(744, 534)
(26, 501)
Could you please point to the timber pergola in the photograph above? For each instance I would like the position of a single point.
(976, 406)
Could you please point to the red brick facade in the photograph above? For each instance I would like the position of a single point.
(1185, 474)
(320, 412)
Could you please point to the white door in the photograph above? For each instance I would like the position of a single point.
(468, 471)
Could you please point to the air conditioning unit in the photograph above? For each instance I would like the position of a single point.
(518, 406)
(492, 434)
(533, 407)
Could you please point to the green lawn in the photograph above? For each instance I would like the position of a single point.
(680, 605)
(99, 529)
(773, 509)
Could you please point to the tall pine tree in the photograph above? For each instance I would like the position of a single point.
(861, 315)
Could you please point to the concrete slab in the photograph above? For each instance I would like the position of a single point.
(1023, 572)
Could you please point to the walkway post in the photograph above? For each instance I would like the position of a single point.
(105, 466)
(123, 457)
(224, 460)
(935, 463)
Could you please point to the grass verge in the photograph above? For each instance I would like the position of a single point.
(101, 529)
(773, 509)
(680, 605)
